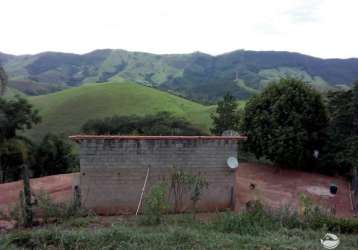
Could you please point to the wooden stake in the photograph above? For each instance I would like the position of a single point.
(27, 197)
(141, 196)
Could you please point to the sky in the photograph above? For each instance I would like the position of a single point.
(321, 28)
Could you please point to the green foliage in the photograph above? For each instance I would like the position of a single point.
(182, 183)
(342, 147)
(49, 210)
(155, 205)
(162, 123)
(16, 115)
(13, 153)
(250, 222)
(198, 183)
(54, 155)
(3, 81)
(286, 123)
(179, 186)
(220, 234)
(258, 221)
(227, 117)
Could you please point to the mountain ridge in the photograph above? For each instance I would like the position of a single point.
(196, 75)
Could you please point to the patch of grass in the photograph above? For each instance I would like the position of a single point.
(256, 228)
(168, 237)
(258, 220)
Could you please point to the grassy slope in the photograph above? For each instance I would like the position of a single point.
(66, 111)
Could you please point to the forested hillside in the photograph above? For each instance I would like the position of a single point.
(197, 76)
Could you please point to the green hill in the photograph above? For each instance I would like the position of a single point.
(66, 111)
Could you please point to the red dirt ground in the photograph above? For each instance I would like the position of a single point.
(58, 186)
(282, 187)
(273, 187)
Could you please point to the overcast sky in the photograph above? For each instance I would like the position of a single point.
(322, 28)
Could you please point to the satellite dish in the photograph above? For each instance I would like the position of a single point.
(232, 162)
(230, 133)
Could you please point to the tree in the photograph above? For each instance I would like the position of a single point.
(13, 153)
(3, 81)
(355, 108)
(227, 115)
(342, 146)
(16, 114)
(53, 156)
(286, 123)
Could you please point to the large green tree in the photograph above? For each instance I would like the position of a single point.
(341, 149)
(286, 123)
(15, 115)
(227, 115)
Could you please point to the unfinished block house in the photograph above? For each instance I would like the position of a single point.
(114, 169)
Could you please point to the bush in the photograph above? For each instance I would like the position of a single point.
(155, 205)
(49, 211)
(58, 211)
(250, 222)
(183, 183)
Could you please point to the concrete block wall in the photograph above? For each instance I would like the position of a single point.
(113, 169)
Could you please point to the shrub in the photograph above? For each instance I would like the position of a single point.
(250, 222)
(50, 210)
(155, 205)
(182, 183)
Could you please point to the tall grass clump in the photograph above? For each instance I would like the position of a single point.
(257, 220)
(251, 222)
